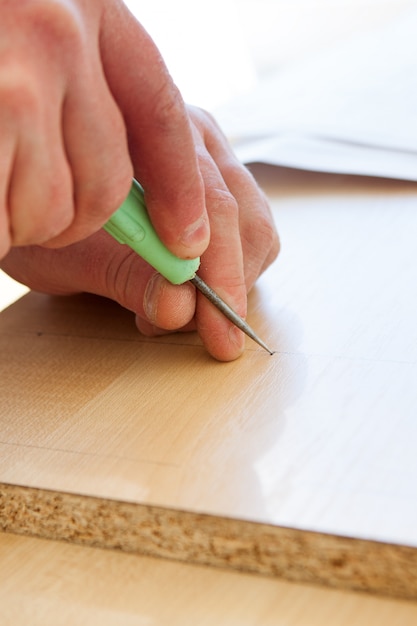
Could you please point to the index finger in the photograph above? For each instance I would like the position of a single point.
(159, 133)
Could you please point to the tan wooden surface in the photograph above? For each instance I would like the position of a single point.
(48, 583)
(301, 465)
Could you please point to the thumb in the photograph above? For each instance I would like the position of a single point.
(159, 132)
(101, 266)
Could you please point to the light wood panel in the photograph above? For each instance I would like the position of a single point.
(300, 465)
(47, 583)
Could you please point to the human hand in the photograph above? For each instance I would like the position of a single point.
(243, 243)
(86, 102)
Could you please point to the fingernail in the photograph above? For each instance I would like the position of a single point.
(152, 295)
(196, 234)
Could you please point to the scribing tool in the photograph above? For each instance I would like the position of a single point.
(131, 225)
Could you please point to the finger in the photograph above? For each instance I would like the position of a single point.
(221, 268)
(137, 286)
(165, 307)
(39, 190)
(259, 237)
(101, 266)
(125, 277)
(36, 186)
(159, 133)
(97, 151)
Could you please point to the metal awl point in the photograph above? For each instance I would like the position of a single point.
(228, 311)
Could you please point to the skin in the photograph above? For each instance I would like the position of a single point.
(86, 102)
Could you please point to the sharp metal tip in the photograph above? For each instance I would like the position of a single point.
(238, 321)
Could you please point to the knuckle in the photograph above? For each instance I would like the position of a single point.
(20, 100)
(58, 201)
(167, 104)
(61, 210)
(222, 201)
(202, 118)
(102, 198)
(51, 212)
(260, 234)
(267, 232)
(57, 24)
(260, 243)
(117, 194)
(275, 248)
(49, 31)
(119, 177)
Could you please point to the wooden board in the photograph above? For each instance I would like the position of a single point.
(300, 465)
(49, 583)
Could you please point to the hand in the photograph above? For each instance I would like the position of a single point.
(85, 101)
(243, 243)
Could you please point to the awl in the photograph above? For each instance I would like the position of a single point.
(131, 225)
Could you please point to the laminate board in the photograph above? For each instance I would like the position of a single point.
(299, 465)
(49, 583)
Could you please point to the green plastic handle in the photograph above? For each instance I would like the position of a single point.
(131, 225)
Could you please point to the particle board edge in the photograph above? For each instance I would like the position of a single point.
(297, 555)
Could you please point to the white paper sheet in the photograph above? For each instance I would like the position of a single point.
(349, 110)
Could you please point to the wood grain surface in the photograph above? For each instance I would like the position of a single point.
(304, 461)
(49, 583)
